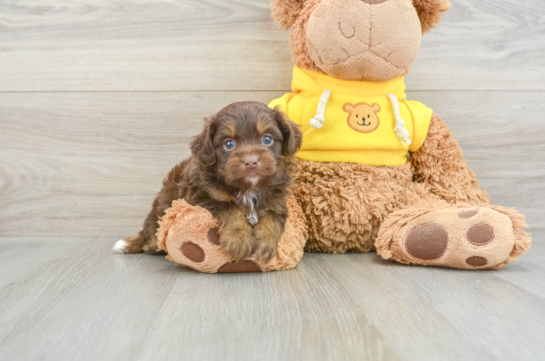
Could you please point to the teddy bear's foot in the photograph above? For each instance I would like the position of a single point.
(203, 253)
(467, 238)
(189, 235)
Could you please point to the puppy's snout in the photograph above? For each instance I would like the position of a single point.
(250, 162)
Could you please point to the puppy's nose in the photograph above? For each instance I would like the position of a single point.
(250, 162)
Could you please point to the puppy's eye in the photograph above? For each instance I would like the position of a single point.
(229, 144)
(267, 140)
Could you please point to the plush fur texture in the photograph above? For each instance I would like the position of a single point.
(440, 165)
(430, 12)
(286, 12)
(298, 38)
(358, 208)
(185, 224)
(244, 188)
(359, 46)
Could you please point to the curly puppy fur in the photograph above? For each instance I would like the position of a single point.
(237, 176)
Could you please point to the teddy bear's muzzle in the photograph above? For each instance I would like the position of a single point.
(375, 40)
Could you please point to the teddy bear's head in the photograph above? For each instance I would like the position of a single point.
(374, 40)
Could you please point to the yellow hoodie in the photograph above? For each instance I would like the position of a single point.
(354, 121)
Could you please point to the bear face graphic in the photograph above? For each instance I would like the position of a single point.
(362, 117)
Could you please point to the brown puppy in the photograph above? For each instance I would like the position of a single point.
(240, 171)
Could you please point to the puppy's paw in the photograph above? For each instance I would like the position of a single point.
(267, 233)
(237, 244)
(265, 251)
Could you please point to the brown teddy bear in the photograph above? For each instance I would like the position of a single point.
(393, 178)
(375, 171)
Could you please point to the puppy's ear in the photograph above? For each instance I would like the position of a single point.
(290, 132)
(202, 146)
(286, 12)
(430, 12)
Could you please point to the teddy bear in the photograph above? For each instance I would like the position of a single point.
(376, 171)
(392, 178)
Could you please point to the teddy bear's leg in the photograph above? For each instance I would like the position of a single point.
(344, 204)
(435, 233)
(189, 235)
(446, 219)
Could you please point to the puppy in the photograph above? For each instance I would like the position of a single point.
(240, 171)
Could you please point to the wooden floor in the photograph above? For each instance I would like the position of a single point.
(98, 100)
(72, 299)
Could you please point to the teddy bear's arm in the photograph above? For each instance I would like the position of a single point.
(441, 166)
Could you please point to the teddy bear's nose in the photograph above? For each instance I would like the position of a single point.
(374, 2)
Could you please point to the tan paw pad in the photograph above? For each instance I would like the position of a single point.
(468, 214)
(480, 234)
(193, 252)
(476, 261)
(427, 241)
(240, 267)
(213, 236)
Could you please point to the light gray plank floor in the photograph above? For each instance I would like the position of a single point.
(72, 299)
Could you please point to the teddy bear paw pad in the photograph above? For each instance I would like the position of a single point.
(213, 236)
(479, 238)
(240, 267)
(476, 261)
(480, 234)
(193, 252)
(427, 241)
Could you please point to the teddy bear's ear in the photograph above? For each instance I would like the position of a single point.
(375, 107)
(286, 12)
(430, 12)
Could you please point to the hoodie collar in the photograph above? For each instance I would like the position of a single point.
(302, 78)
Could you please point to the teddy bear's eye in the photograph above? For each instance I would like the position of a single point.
(369, 116)
(357, 116)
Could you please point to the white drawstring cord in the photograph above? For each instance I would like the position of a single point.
(319, 119)
(400, 129)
